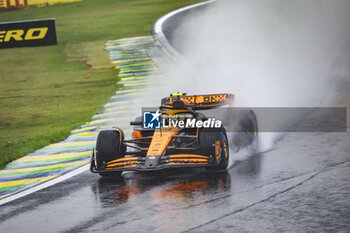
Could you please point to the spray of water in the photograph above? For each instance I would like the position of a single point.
(269, 53)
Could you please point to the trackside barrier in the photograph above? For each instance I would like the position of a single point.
(6, 4)
(27, 33)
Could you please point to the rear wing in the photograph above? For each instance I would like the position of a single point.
(198, 102)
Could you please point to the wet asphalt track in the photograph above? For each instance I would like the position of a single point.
(300, 185)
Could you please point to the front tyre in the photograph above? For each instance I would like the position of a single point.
(109, 147)
(207, 140)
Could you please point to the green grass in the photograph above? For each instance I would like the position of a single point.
(47, 91)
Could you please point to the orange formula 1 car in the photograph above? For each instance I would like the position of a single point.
(176, 135)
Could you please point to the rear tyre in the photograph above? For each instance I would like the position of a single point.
(207, 139)
(109, 147)
(244, 127)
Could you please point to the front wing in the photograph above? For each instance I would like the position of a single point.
(142, 163)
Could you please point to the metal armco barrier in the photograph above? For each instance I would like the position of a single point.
(27, 33)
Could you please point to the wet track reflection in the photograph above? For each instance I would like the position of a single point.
(164, 186)
(176, 186)
(155, 200)
(167, 197)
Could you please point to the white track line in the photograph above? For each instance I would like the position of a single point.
(158, 29)
(45, 184)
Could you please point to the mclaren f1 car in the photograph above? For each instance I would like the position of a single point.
(169, 145)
